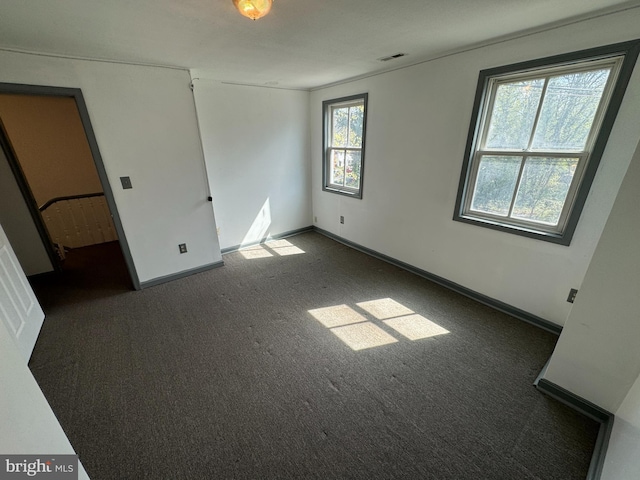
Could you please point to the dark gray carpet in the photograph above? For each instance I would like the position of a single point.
(226, 374)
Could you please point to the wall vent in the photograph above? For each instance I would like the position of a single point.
(391, 57)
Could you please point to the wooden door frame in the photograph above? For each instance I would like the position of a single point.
(76, 94)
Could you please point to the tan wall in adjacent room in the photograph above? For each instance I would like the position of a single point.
(51, 147)
(50, 143)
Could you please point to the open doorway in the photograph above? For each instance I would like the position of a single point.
(53, 154)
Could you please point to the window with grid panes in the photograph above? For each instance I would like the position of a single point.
(344, 139)
(536, 138)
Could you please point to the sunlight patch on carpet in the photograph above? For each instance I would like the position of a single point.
(385, 308)
(257, 251)
(415, 327)
(337, 316)
(284, 248)
(360, 332)
(363, 335)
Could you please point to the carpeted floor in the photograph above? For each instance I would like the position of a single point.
(267, 368)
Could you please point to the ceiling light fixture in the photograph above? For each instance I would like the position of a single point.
(253, 9)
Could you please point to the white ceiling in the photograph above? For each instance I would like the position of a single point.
(301, 44)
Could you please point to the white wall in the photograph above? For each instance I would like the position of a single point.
(417, 127)
(623, 454)
(146, 128)
(256, 143)
(597, 356)
(19, 225)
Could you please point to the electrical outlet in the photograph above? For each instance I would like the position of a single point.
(341, 219)
(183, 248)
(572, 295)
(126, 182)
(218, 231)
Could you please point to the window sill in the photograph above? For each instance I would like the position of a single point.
(346, 193)
(557, 238)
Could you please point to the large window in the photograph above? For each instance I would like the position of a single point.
(536, 138)
(345, 122)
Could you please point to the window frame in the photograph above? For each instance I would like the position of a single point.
(589, 157)
(327, 135)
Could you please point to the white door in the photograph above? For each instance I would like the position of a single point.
(19, 309)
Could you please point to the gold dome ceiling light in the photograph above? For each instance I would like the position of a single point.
(253, 9)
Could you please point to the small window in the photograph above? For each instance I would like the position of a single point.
(345, 122)
(536, 138)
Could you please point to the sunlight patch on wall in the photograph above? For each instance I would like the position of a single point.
(251, 248)
(360, 333)
(258, 230)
